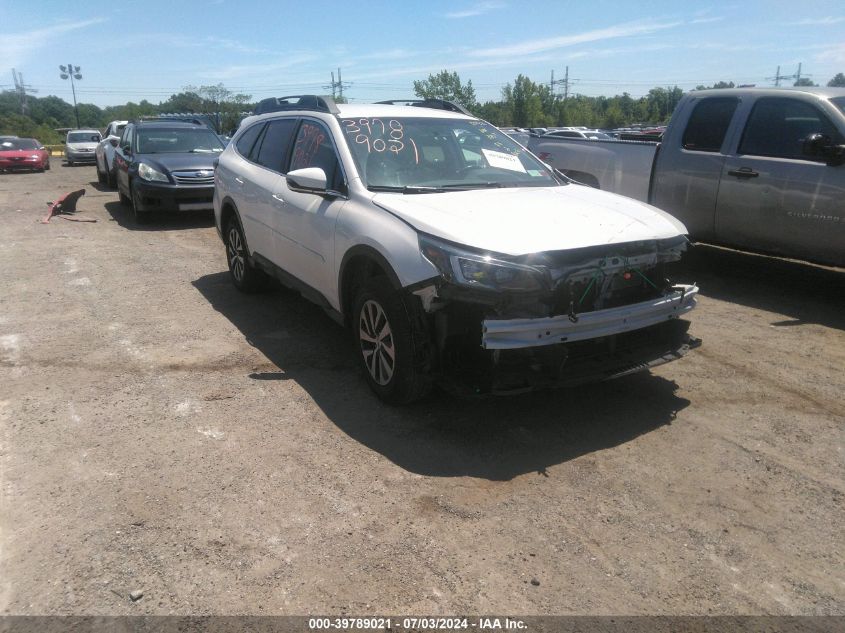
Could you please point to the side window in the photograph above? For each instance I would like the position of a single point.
(273, 149)
(247, 139)
(778, 126)
(314, 148)
(709, 123)
(126, 139)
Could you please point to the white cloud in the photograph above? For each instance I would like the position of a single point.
(821, 21)
(248, 71)
(531, 46)
(834, 54)
(18, 47)
(703, 20)
(479, 8)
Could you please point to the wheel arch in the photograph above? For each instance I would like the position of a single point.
(361, 262)
(229, 211)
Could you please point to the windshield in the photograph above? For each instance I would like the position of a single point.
(418, 154)
(19, 143)
(178, 141)
(839, 102)
(83, 137)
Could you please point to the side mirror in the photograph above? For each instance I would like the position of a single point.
(310, 180)
(821, 147)
(126, 149)
(113, 141)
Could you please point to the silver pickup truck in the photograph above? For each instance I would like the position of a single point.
(759, 169)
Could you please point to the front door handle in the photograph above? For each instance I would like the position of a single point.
(239, 180)
(278, 198)
(743, 172)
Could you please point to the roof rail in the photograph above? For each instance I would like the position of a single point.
(303, 102)
(437, 104)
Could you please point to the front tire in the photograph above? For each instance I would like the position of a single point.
(140, 216)
(390, 344)
(246, 277)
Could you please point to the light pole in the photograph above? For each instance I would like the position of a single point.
(72, 72)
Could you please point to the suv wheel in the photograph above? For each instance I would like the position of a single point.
(386, 340)
(245, 276)
(141, 217)
(101, 175)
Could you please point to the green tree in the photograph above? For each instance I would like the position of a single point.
(804, 82)
(446, 85)
(838, 81)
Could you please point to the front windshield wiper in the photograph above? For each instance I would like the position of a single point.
(474, 185)
(406, 189)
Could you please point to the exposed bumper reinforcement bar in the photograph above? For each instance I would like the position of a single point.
(519, 333)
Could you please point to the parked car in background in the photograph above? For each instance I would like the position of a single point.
(104, 154)
(756, 168)
(589, 134)
(166, 166)
(451, 252)
(80, 146)
(23, 153)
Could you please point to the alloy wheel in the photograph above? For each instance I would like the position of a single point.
(235, 251)
(376, 339)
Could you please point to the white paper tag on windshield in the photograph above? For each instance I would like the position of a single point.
(503, 161)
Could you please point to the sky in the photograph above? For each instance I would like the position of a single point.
(152, 49)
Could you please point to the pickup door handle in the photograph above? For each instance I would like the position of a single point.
(239, 180)
(743, 172)
(278, 198)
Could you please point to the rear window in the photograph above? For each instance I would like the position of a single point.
(84, 137)
(839, 102)
(709, 123)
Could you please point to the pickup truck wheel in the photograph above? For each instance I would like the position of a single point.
(385, 339)
(246, 277)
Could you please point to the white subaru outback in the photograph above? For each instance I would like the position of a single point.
(453, 254)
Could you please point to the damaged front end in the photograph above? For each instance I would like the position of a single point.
(509, 324)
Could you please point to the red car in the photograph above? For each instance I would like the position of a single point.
(23, 153)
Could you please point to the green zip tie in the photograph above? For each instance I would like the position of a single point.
(637, 270)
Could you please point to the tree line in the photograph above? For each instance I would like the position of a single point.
(523, 103)
(43, 115)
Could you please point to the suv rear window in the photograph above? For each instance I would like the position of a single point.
(709, 123)
(274, 144)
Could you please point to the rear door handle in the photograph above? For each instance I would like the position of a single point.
(743, 172)
(278, 198)
(239, 180)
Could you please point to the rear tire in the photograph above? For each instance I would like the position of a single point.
(245, 277)
(390, 345)
(102, 177)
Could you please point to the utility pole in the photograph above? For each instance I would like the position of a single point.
(337, 86)
(778, 77)
(798, 74)
(72, 72)
(22, 89)
(565, 82)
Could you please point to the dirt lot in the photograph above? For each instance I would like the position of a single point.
(163, 433)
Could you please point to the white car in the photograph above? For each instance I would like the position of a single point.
(80, 146)
(453, 254)
(104, 153)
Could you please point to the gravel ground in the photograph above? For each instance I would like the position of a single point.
(162, 433)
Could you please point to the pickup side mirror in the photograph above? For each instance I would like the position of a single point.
(113, 141)
(821, 146)
(309, 180)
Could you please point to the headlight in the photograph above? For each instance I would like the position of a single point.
(34, 156)
(149, 173)
(480, 271)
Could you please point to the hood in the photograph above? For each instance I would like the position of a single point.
(179, 162)
(531, 220)
(79, 146)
